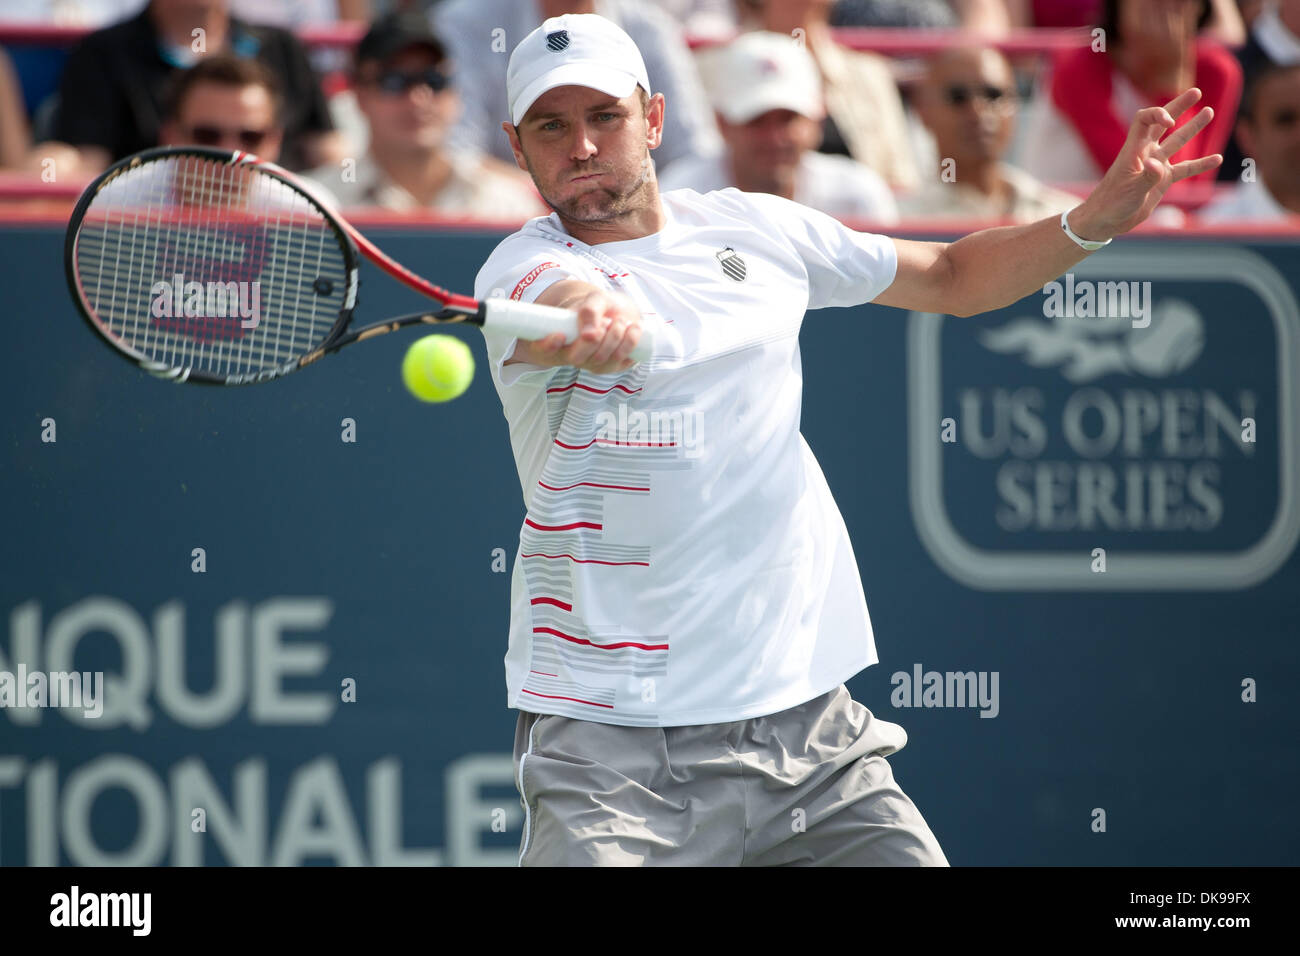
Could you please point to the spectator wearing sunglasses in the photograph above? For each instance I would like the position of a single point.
(967, 100)
(768, 99)
(226, 102)
(405, 89)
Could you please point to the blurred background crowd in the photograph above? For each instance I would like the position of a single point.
(874, 111)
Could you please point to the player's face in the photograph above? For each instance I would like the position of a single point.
(397, 97)
(589, 153)
(1272, 136)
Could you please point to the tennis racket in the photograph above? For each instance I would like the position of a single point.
(204, 265)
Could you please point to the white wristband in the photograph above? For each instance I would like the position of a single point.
(1089, 245)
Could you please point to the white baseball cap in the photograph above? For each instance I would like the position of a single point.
(577, 49)
(761, 71)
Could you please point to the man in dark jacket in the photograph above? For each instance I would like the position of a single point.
(114, 86)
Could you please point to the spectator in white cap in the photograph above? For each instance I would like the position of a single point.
(865, 117)
(768, 100)
(481, 33)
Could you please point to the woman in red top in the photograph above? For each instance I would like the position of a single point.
(1148, 48)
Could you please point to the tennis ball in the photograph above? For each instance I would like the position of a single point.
(437, 368)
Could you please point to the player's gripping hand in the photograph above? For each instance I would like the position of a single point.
(609, 328)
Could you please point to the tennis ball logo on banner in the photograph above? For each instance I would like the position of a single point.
(1142, 404)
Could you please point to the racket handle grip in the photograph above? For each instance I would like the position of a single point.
(531, 322)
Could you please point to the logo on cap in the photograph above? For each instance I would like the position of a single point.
(732, 264)
(557, 41)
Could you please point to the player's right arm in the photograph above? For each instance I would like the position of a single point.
(609, 328)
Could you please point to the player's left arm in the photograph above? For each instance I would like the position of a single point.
(993, 268)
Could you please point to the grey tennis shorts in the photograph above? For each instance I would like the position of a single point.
(803, 787)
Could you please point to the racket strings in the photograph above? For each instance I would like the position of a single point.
(194, 263)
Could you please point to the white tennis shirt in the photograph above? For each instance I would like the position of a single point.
(682, 560)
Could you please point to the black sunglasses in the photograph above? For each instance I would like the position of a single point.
(395, 81)
(249, 139)
(961, 95)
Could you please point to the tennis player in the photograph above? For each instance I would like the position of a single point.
(685, 603)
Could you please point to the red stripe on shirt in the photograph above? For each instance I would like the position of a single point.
(555, 601)
(610, 441)
(599, 647)
(577, 700)
(592, 484)
(563, 527)
(590, 388)
(617, 564)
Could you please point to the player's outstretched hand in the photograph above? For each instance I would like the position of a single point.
(609, 328)
(1143, 172)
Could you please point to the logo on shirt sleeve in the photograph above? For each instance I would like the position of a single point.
(529, 279)
(732, 264)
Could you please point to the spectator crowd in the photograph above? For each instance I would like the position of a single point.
(777, 96)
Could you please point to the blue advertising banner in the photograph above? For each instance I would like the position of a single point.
(1075, 519)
